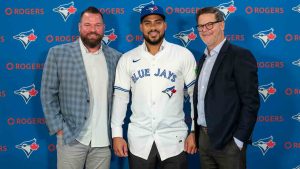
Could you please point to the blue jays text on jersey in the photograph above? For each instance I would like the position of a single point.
(142, 73)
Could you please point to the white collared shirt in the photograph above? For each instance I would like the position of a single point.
(203, 80)
(95, 130)
(157, 86)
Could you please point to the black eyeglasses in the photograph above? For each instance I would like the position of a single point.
(208, 26)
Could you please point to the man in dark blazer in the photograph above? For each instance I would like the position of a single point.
(76, 94)
(226, 99)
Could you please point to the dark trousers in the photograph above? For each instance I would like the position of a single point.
(230, 157)
(154, 161)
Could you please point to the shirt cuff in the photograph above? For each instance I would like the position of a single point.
(239, 143)
(117, 132)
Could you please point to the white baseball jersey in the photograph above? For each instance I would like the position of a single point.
(157, 86)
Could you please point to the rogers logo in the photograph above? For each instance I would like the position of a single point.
(131, 38)
(292, 91)
(24, 11)
(291, 145)
(3, 148)
(292, 37)
(272, 118)
(24, 66)
(180, 10)
(270, 65)
(113, 11)
(61, 38)
(264, 10)
(236, 37)
(26, 121)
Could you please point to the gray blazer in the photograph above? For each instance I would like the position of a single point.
(64, 89)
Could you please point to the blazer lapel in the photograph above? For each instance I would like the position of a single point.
(78, 61)
(218, 62)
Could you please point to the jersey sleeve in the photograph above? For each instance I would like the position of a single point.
(122, 80)
(121, 97)
(189, 72)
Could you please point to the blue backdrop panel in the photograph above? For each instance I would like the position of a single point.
(270, 29)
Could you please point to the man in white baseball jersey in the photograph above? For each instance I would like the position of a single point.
(155, 73)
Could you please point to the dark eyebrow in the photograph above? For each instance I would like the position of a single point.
(145, 20)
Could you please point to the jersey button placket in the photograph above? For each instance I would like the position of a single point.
(153, 96)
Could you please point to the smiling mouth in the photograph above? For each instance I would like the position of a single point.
(153, 33)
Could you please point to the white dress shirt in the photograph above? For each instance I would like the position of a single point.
(157, 87)
(95, 130)
(203, 80)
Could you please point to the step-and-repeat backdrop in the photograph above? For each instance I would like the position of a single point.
(270, 29)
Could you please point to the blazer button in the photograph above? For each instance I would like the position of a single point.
(85, 118)
(88, 100)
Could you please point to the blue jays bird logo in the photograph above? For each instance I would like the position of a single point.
(296, 117)
(170, 91)
(265, 36)
(265, 144)
(141, 6)
(296, 8)
(65, 10)
(109, 36)
(186, 36)
(298, 167)
(27, 92)
(28, 147)
(152, 9)
(227, 8)
(265, 91)
(296, 63)
(26, 37)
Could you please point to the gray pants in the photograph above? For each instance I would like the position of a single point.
(78, 156)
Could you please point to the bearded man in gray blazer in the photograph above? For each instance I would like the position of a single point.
(76, 95)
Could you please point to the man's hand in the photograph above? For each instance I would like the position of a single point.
(190, 144)
(59, 133)
(120, 147)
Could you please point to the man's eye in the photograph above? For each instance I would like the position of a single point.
(209, 24)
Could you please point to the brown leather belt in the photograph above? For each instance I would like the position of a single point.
(204, 129)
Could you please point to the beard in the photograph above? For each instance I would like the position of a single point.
(91, 42)
(153, 42)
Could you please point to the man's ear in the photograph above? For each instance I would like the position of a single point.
(223, 25)
(141, 27)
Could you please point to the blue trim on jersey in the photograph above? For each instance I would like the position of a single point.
(120, 88)
(190, 84)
